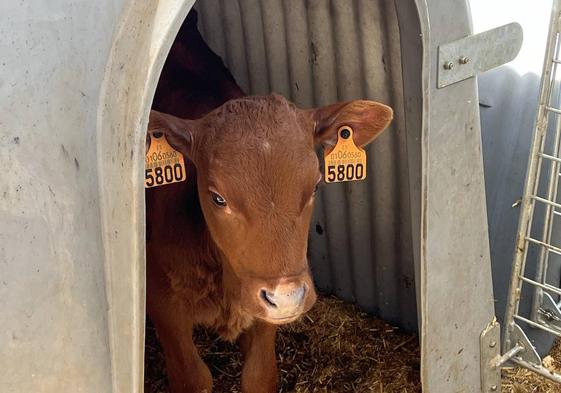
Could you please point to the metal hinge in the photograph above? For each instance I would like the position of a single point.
(549, 314)
(465, 58)
(491, 360)
(490, 350)
(520, 351)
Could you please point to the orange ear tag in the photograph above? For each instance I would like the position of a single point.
(163, 164)
(346, 161)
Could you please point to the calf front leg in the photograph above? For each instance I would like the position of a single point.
(259, 372)
(187, 373)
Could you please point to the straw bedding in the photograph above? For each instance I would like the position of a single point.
(334, 348)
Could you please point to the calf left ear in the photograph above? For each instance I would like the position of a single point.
(178, 132)
(366, 118)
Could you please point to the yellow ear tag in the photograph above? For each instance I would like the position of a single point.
(163, 164)
(346, 161)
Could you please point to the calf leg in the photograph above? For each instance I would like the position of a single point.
(259, 372)
(186, 371)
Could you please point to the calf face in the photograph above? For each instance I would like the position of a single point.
(257, 172)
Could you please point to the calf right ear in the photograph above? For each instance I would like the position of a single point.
(178, 132)
(366, 118)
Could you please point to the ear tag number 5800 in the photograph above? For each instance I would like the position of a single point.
(163, 164)
(346, 161)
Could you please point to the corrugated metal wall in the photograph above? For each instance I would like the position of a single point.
(318, 52)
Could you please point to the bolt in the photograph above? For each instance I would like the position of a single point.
(464, 60)
(493, 388)
(345, 133)
(492, 344)
(448, 65)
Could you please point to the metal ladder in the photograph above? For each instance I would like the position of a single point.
(540, 201)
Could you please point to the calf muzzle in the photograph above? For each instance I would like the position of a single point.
(285, 302)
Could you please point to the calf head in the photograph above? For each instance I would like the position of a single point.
(257, 174)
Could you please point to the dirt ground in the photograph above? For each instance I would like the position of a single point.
(334, 348)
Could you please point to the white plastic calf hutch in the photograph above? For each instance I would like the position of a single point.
(77, 81)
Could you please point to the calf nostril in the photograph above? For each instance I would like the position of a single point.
(268, 298)
(301, 292)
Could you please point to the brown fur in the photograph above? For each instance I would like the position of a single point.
(207, 264)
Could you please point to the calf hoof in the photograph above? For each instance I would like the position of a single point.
(262, 384)
(200, 382)
(191, 388)
(259, 388)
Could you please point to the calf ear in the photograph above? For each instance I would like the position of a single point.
(366, 118)
(178, 131)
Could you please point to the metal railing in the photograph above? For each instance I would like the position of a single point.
(540, 209)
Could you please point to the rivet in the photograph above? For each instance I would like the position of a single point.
(492, 344)
(448, 65)
(493, 388)
(345, 133)
(464, 60)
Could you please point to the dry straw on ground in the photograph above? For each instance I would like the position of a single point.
(335, 348)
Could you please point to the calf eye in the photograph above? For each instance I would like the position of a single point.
(317, 186)
(218, 199)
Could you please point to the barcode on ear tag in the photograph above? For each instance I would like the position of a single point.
(163, 164)
(346, 161)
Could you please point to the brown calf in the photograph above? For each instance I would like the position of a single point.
(227, 248)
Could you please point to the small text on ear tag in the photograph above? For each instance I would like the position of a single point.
(346, 161)
(163, 164)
